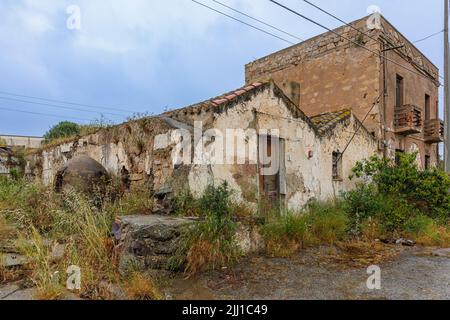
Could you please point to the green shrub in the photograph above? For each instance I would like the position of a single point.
(328, 222)
(210, 243)
(184, 204)
(63, 129)
(285, 234)
(394, 213)
(362, 203)
(427, 191)
(365, 202)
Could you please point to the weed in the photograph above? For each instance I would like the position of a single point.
(140, 287)
(328, 222)
(286, 234)
(425, 231)
(43, 270)
(210, 243)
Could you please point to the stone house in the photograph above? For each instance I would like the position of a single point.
(310, 157)
(300, 112)
(397, 88)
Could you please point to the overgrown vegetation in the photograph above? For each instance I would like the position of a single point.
(320, 223)
(425, 190)
(44, 220)
(210, 243)
(66, 130)
(63, 129)
(397, 200)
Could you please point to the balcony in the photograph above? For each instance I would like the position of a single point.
(433, 131)
(408, 120)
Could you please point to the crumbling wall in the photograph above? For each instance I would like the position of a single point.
(140, 152)
(126, 151)
(355, 147)
(308, 155)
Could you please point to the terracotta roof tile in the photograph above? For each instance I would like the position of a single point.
(233, 94)
(327, 121)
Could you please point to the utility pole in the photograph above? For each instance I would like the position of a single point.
(446, 88)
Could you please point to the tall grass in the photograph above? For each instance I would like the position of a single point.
(427, 231)
(210, 243)
(320, 223)
(43, 218)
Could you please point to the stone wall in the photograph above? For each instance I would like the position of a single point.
(137, 150)
(126, 151)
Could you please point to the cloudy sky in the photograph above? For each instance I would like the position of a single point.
(145, 56)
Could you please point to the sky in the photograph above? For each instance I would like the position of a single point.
(141, 56)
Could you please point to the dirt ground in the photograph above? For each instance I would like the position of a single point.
(338, 272)
(325, 273)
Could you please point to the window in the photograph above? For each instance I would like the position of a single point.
(427, 107)
(427, 162)
(337, 166)
(399, 91)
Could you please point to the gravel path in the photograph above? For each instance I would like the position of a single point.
(415, 273)
(321, 273)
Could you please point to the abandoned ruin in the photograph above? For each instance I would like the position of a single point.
(333, 102)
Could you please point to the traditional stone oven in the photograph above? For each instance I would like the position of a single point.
(82, 173)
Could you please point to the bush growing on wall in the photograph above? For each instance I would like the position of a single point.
(63, 129)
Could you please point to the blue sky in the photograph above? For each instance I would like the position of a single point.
(146, 56)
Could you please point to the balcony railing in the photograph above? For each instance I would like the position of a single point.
(408, 120)
(433, 131)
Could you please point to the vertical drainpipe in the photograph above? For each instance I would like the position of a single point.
(384, 122)
(257, 161)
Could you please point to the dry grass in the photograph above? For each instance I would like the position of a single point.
(282, 248)
(356, 254)
(43, 270)
(321, 224)
(427, 232)
(140, 287)
(207, 254)
(438, 236)
(371, 229)
(133, 202)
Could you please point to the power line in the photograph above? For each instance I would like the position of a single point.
(61, 107)
(340, 20)
(44, 114)
(348, 39)
(361, 32)
(259, 20)
(243, 22)
(428, 37)
(65, 102)
(360, 126)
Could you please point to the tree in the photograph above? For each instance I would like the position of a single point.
(63, 129)
(2, 143)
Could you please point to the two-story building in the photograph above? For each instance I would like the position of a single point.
(379, 74)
